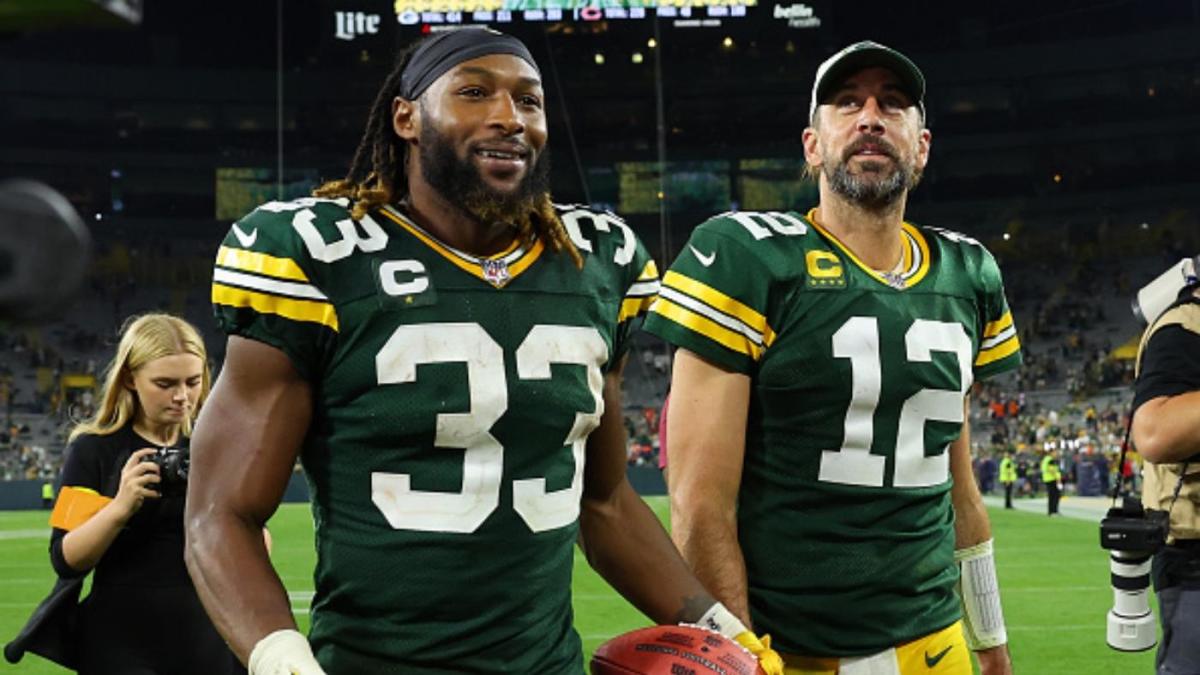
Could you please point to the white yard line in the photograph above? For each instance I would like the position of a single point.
(24, 534)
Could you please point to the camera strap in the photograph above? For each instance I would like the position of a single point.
(1116, 491)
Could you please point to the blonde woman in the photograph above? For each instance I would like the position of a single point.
(120, 512)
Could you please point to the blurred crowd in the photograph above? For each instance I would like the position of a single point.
(1084, 437)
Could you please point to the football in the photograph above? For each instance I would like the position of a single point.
(672, 650)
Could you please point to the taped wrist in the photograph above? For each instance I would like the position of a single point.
(723, 621)
(284, 652)
(983, 619)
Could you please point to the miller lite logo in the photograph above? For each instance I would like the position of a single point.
(352, 24)
(495, 272)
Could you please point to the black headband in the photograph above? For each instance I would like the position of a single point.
(443, 51)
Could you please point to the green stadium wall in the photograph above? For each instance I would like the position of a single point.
(19, 495)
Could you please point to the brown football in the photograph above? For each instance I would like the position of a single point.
(673, 650)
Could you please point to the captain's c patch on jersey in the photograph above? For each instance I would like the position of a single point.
(824, 270)
(403, 283)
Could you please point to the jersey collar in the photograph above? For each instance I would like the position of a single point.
(913, 244)
(497, 270)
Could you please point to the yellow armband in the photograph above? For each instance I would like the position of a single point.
(75, 506)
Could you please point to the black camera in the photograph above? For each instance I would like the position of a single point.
(1134, 536)
(1129, 527)
(173, 466)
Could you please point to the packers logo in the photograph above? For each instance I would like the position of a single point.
(824, 270)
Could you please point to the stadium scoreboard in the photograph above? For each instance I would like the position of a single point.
(433, 12)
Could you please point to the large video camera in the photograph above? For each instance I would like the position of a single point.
(1154, 298)
(1133, 536)
(173, 465)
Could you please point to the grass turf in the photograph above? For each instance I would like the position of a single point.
(1053, 579)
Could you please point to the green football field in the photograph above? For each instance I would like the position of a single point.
(1053, 579)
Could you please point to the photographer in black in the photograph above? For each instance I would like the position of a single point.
(1166, 431)
(120, 512)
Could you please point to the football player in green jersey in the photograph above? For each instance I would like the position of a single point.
(442, 347)
(821, 479)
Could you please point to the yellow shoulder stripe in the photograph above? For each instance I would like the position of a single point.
(632, 307)
(706, 327)
(314, 311)
(649, 272)
(1006, 348)
(996, 327)
(720, 302)
(260, 263)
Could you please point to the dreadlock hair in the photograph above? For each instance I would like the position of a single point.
(544, 222)
(377, 173)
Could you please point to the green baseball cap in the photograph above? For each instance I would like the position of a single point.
(867, 54)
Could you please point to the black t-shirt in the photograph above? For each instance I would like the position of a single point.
(1170, 365)
(149, 549)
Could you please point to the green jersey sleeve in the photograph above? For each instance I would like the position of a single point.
(1000, 347)
(714, 298)
(618, 263)
(641, 283)
(266, 286)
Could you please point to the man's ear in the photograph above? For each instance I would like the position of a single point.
(405, 121)
(812, 152)
(924, 142)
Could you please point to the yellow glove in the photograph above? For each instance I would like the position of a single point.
(769, 660)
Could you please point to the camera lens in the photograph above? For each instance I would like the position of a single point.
(1131, 626)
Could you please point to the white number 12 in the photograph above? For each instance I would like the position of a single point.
(853, 463)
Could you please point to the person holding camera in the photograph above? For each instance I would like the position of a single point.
(1166, 431)
(120, 513)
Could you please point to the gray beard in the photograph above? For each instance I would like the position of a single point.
(868, 192)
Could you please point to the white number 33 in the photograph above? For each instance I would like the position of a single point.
(483, 460)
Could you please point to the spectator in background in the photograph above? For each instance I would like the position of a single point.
(1008, 478)
(1022, 476)
(987, 474)
(1052, 479)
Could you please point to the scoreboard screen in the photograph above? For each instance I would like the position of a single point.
(358, 24)
(413, 12)
(356, 20)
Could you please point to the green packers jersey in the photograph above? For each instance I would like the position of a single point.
(858, 381)
(453, 396)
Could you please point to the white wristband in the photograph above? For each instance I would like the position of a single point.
(983, 619)
(284, 652)
(723, 621)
